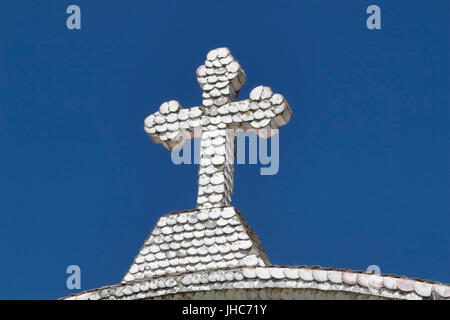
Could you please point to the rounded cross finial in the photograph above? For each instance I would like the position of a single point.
(221, 77)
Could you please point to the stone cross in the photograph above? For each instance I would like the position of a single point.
(217, 122)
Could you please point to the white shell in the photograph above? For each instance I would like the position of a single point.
(320, 275)
(305, 274)
(164, 108)
(405, 285)
(245, 244)
(390, 283)
(363, 279)
(443, 291)
(249, 273)
(277, 273)
(255, 94)
(423, 289)
(335, 276)
(291, 273)
(350, 278)
(228, 213)
(223, 52)
(262, 273)
(376, 281)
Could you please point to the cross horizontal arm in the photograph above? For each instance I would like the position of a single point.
(263, 113)
(172, 126)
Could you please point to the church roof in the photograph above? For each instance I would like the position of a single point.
(253, 282)
(215, 251)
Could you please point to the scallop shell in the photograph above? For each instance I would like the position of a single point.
(390, 283)
(118, 293)
(405, 285)
(198, 234)
(222, 222)
(224, 249)
(161, 283)
(94, 296)
(152, 285)
(134, 269)
(335, 276)
(128, 277)
(423, 289)
(320, 275)
(165, 246)
(175, 246)
(306, 274)
(443, 291)
(196, 242)
(238, 276)
(249, 273)
(363, 280)
(163, 264)
(255, 94)
(376, 281)
(135, 288)
(126, 291)
(166, 230)
(262, 273)
(174, 262)
(228, 230)
(291, 273)
(150, 257)
(202, 216)
(232, 263)
(276, 273)
(178, 237)
(140, 259)
(214, 214)
(213, 249)
(245, 244)
(251, 260)
(162, 222)
(186, 236)
(141, 296)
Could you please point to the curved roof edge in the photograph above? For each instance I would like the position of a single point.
(298, 277)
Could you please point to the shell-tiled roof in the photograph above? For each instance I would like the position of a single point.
(197, 240)
(214, 254)
(272, 282)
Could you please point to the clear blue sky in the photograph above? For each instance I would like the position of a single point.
(364, 162)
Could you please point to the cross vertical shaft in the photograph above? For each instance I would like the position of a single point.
(216, 168)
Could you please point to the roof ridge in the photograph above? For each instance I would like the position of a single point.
(326, 279)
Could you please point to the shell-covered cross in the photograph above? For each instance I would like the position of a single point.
(217, 122)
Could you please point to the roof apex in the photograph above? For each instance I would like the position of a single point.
(197, 240)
